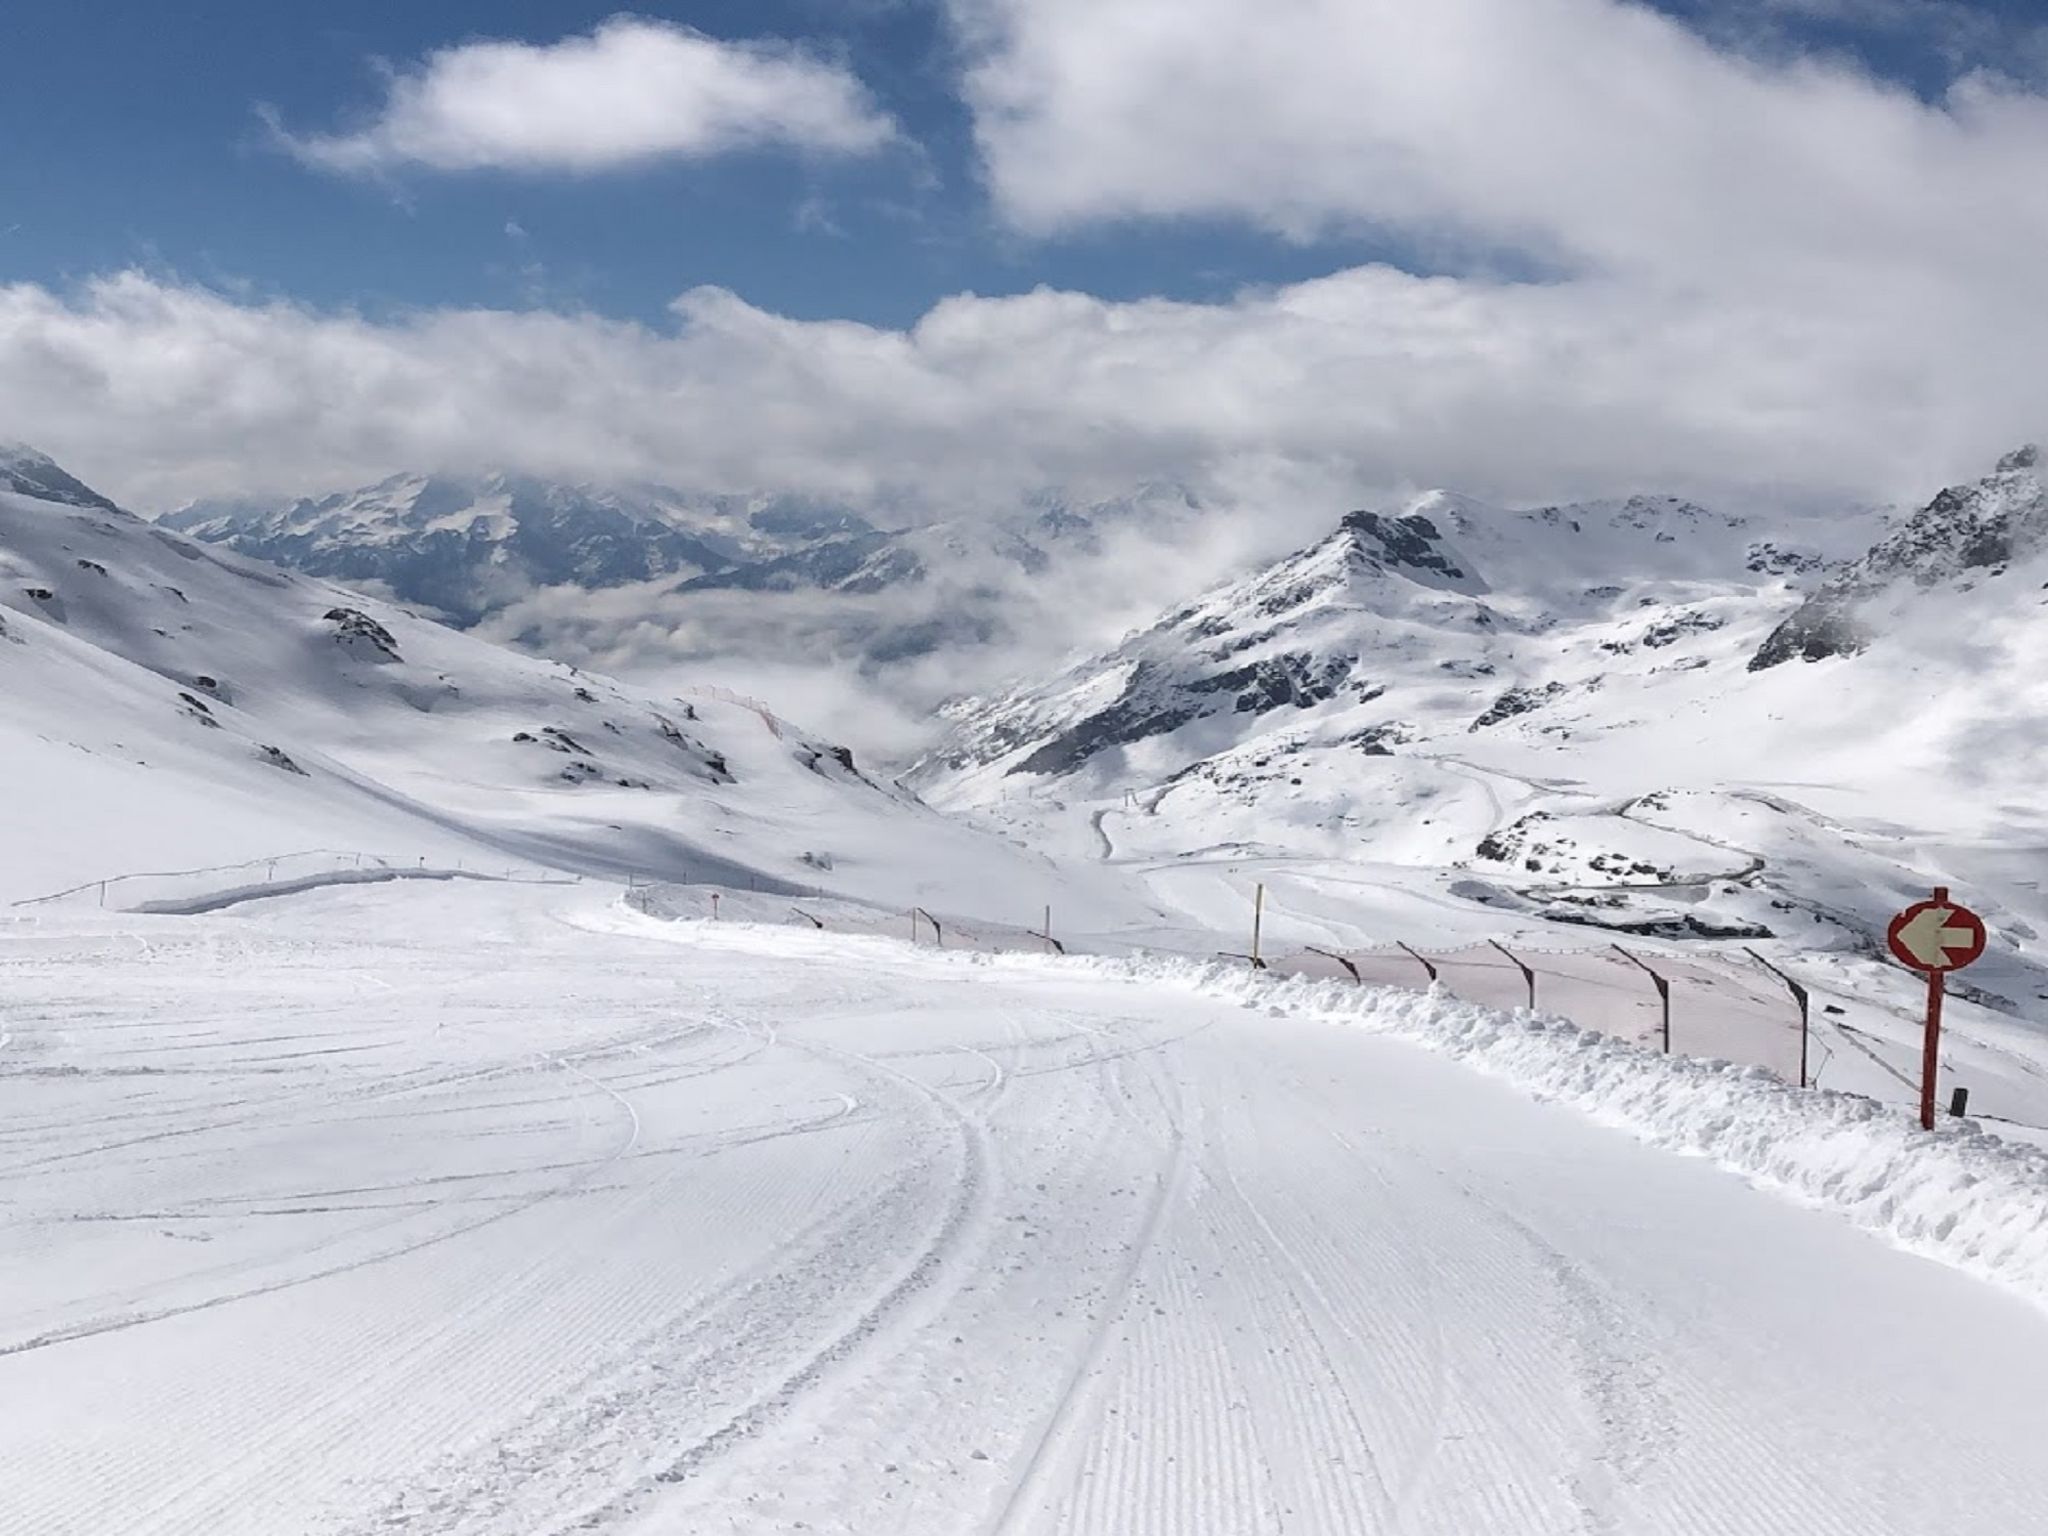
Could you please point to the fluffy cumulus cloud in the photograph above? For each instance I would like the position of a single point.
(1749, 275)
(1868, 259)
(631, 91)
(1370, 377)
(1595, 134)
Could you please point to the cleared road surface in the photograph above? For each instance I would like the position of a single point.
(468, 1210)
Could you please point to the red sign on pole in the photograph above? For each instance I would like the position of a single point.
(1935, 937)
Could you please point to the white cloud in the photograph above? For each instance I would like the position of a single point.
(1600, 134)
(1370, 377)
(633, 90)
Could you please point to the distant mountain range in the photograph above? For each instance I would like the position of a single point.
(484, 548)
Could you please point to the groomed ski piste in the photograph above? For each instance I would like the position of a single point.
(472, 1207)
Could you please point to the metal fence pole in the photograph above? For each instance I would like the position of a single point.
(1426, 964)
(1331, 955)
(1663, 990)
(1804, 1000)
(1528, 975)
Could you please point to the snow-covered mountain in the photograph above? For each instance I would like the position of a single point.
(1966, 535)
(1554, 711)
(174, 705)
(504, 549)
(467, 547)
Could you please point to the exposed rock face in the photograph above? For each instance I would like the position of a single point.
(1155, 702)
(356, 631)
(1980, 527)
(1517, 701)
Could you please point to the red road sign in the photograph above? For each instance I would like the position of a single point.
(1936, 936)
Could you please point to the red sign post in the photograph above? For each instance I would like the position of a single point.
(1935, 937)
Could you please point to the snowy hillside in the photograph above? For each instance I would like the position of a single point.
(184, 706)
(1553, 713)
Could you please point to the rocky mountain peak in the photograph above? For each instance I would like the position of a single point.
(1982, 526)
(28, 472)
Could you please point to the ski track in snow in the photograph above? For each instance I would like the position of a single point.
(478, 1211)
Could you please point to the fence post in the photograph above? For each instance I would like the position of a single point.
(1663, 991)
(1258, 922)
(1332, 955)
(714, 906)
(1528, 974)
(1959, 1102)
(1427, 966)
(1800, 995)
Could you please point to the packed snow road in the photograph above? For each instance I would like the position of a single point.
(466, 1210)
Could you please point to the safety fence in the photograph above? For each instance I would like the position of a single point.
(185, 890)
(726, 696)
(1727, 1005)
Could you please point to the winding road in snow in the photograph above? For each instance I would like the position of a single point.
(465, 1210)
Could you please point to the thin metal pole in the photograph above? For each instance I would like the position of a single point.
(1258, 922)
(1333, 955)
(1427, 966)
(1663, 991)
(1528, 975)
(1930, 1062)
(1804, 1000)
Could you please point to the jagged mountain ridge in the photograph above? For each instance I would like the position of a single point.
(1982, 527)
(1380, 593)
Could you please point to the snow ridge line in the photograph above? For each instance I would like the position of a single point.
(1959, 1196)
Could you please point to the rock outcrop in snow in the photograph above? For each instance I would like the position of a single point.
(1982, 527)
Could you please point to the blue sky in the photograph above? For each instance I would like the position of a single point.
(1289, 251)
(142, 146)
(132, 139)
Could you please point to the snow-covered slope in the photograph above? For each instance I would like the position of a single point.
(172, 705)
(1553, 712)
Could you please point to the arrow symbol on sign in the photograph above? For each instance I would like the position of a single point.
(1929, 938)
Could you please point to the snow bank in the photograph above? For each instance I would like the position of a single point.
(1959, 1196)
